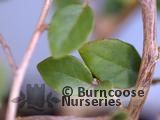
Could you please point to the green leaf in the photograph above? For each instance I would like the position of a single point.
(120, 115)
(104, 85)
(67, 71)
(158, 5)
(112, 60)
(63, 3)
(3, 83)
(69, 29)
(116, 7)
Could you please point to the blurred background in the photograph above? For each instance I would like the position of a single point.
(114, 19)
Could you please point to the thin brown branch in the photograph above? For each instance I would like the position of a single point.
(18, 79)
(45, 26)
(156, 81)
(150, 55)
(62, 118)
(106, 26)
(159, 53)
(8, 54)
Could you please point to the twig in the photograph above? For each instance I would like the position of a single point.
(155, 81)
(45, 27)
(63, 118)
(18, 79)
(150, 55)
(8, 54)
(106, 26)
(159, 53)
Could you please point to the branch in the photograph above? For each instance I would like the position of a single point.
(156, 82)
(106, 26)
(62, 118)
(159, 53)
(8, 54)
(150, 56)
(18, 79)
